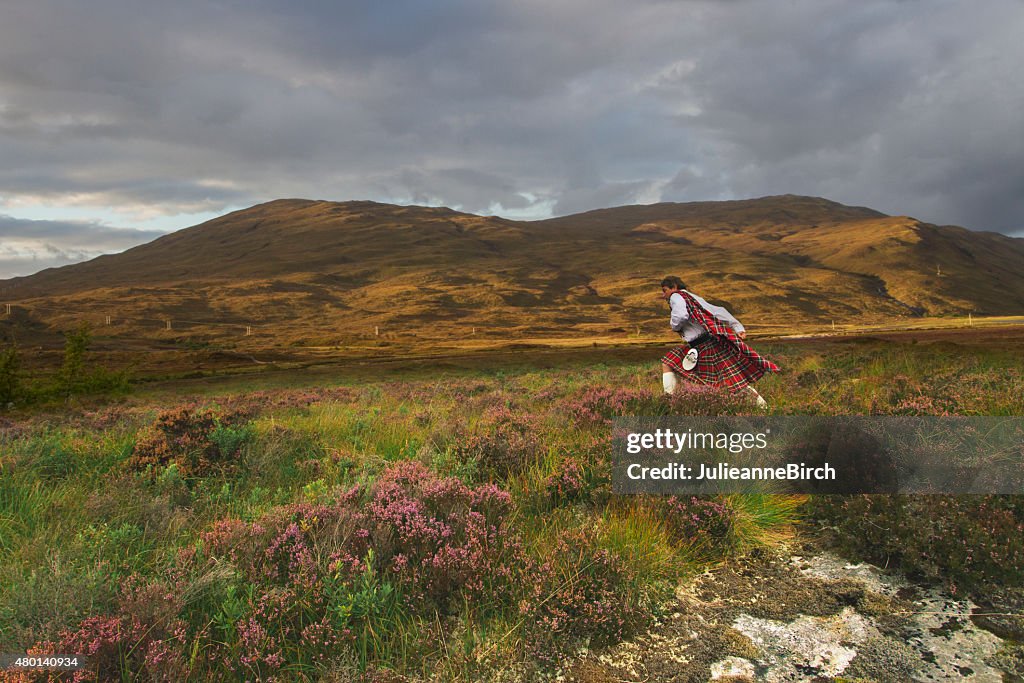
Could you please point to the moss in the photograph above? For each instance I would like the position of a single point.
(1010, 659)
(883, 658)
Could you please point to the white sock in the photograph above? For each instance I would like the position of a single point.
(668, 380)
(761, 403)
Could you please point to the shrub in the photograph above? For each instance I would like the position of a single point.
(597, 405)
(441, 538)
(701, 399)
(861, 461)
(580, 595)
(145, 637)
(74, 378)
(568, 483)
(698, 522)
(109, 643)
(229, 440)
(364, 564)
(10, 380)
(194, 441)
(505, 443)
(963, 541)
(369, 608)
(76, 343)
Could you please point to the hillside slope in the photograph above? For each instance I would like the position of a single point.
(315, 271)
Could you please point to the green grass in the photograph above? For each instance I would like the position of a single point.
(75, 521)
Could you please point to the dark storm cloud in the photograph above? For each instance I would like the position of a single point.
(905, 106)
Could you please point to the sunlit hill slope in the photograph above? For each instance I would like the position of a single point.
(317, 272)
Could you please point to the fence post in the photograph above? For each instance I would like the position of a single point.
(168, 323)
(376, 330)
(108, 319)
(8, 309)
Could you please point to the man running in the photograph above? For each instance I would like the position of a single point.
(715, 352)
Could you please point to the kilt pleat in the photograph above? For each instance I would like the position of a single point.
(721, 362)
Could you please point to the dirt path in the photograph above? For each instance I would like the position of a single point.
(807, 615)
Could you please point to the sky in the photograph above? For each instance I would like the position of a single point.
(121, 120)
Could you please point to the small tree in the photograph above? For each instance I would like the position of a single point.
(76, 343)
(9, 378)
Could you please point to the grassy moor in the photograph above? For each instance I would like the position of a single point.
(402, 473)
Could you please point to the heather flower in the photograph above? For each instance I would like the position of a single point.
(579, 595)
(504, 443)
(697, 521)
(597, 405)
(568, 483)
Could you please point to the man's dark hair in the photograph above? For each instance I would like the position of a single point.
(673, 282)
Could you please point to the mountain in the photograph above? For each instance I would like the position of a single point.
(317, 272)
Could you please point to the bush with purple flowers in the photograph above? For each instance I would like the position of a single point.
(697, 521)
(700, 399)
(502, 444)
(598, 405)
(580, 594)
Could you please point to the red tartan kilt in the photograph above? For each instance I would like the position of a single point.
(720, 363)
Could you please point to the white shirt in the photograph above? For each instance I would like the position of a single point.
(691, 329)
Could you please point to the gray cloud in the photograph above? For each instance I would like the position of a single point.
(74, 232)
(27, 246)
(904, 106)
